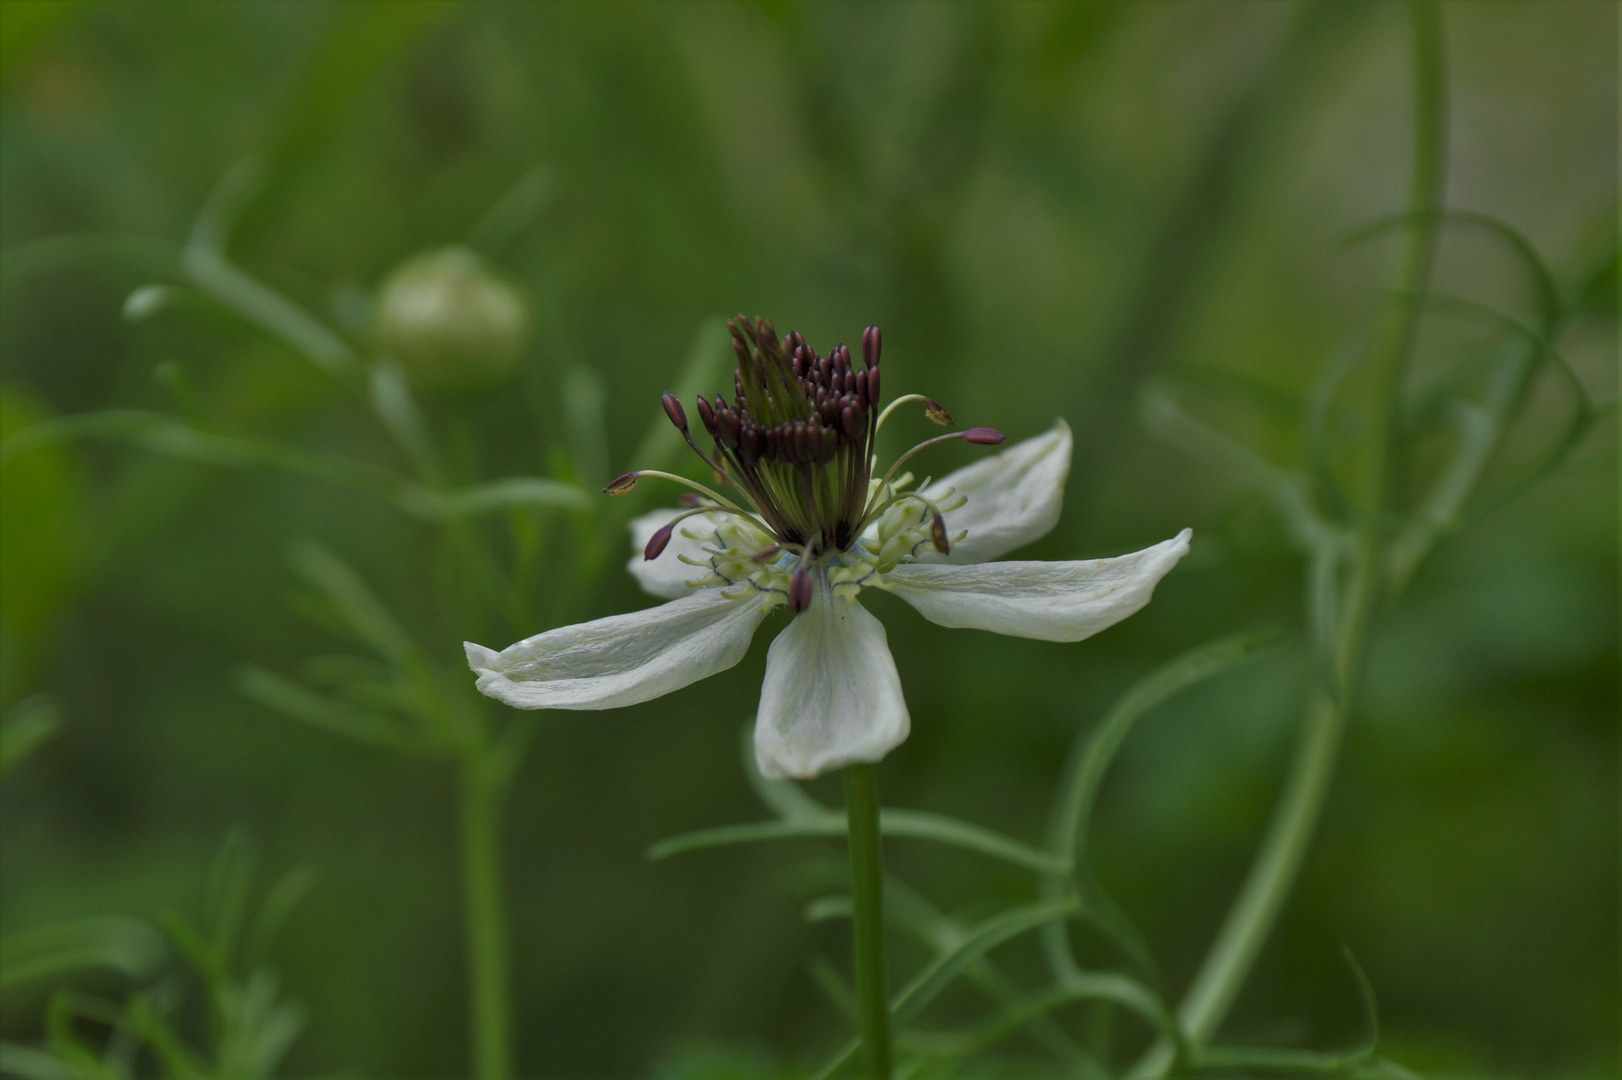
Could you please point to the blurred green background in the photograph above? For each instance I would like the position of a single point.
(1042, 205)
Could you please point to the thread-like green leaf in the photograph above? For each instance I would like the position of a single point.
(305, 706)
(516, 210)
(979, 940)
(1545, 295)
(513, 491)
(352, 600)
(703, 369)
(273, 911)
(269, 310)
(27, 726)
(1092, 754)
(1289, 492)
(190, 440)
(1090, 758)
(27, 1063)
(128, 946)
(895, 824)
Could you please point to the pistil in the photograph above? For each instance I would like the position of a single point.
(797, 439)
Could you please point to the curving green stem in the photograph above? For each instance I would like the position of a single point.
(867, 913)
(482, 791)
(1295, 818)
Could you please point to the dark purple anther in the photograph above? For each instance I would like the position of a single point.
(673, 409)
(854, 428)
(937, 535)
(799, 591)
(872, 342)
(622, 484)
(690, 500)
(657, 542)
(984, 436)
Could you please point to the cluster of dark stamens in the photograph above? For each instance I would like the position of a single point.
(797, 440)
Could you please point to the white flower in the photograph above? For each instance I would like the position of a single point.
(832, 696)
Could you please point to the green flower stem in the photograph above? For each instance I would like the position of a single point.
(1289, 834)
(1277, 864)
(867, 911)
(1426, 184)
(482, 791)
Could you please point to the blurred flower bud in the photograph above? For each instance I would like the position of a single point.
(452, 320)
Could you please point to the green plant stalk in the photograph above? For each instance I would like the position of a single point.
(1289, 833)
(867, 917)
(1395, 338)
(486, 918)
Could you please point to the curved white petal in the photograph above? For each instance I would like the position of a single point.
(1014, 497)
(667, 576)
(623, 659)
(1053, 601)
(831, 696)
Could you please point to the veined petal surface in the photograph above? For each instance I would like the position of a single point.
(832, 696)
(667, 576)
(1050, 601)
(1013, 497)
(623, 659)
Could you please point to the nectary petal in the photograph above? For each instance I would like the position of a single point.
(623, 659)
(832, 696)
(1013, 497)
(1052, 601)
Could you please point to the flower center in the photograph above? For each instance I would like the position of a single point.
(797, 441)
(796, 437)
(742, 558)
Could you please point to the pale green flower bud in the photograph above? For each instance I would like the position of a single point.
(452, 320)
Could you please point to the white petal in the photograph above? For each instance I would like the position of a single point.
(1053, 601)
(623, 659)
(1014, 497)
(832, 696)
(667, 576)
